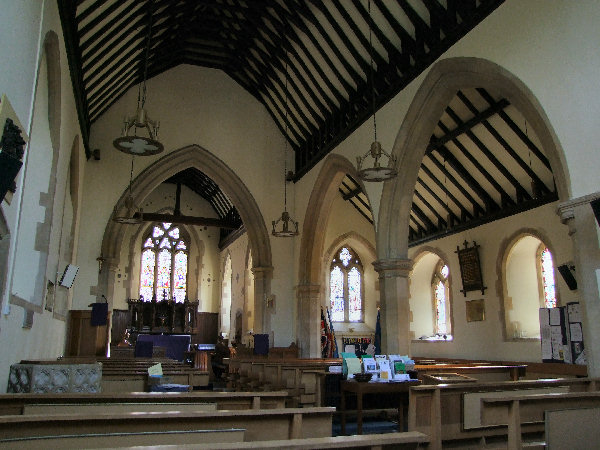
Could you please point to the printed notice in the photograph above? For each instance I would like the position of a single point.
(576, 333)
(574, 311)
(554, 316)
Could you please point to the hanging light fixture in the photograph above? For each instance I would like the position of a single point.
(377, 172)
(285, 226)
(130, 142)
(133, 216)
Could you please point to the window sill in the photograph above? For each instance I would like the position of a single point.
(434, 339)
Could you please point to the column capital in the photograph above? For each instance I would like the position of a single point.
(393, 267)
(308, 290)
(566, 210)
(263, 271)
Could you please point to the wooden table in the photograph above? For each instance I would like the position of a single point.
(397, 389)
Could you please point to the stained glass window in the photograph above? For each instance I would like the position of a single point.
(440, 304)
(336, 283)
(345, 287)
(548, 279)
(354, 297)
(440, 299)
(164, 264)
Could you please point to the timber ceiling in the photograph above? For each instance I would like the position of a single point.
(320, 68)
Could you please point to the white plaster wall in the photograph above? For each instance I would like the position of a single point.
(195, 106)
(484, 340)
(23, 27)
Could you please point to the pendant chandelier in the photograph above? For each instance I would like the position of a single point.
(133, 215)
(285, 226)
(130, 142)
(377, 172)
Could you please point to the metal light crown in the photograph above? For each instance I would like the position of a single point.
(134, 144)
(377, 172)
(289, 227)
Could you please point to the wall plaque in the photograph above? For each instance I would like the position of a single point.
(475, 310)
(470, 268)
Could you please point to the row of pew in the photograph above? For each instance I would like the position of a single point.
(200, 419)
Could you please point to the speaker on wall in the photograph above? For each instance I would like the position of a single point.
(68, 276)
(567, 274)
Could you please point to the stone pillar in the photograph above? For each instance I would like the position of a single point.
(583, 228)
(394, 307)
(262, 289)
(308, 325)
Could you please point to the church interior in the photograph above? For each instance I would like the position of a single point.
(416, 177)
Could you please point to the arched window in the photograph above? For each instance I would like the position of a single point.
(346, 287)
(164, 264)
(441, 299)
(547, 278)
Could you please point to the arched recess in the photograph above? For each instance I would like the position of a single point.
(310, 275)
(527, 325)
(442, 82)
(164, 168)
(367, 254)
(226, 299)
(438, 88)
(422, 305)
(37, 245)
(248, 318)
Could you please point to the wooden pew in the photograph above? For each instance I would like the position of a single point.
(439, 410)
(113, 408)
(396, 441)
(260, 424)
(14, 404)
(177, 439)
(516, 410)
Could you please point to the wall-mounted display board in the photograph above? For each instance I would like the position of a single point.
(470, 268)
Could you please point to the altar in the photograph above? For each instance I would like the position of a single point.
(165, 316)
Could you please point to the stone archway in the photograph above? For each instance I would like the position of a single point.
(439, 86)
(169, 165)
(309, 289)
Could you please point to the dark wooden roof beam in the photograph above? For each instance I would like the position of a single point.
(505, 199)
(478, 118)
(477, 208)
(515, 128)
(463, 211)
(534, 177)
(521, 192)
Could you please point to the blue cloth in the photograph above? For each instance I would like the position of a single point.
(261, 344)
(169, 388)
(175, 344)
(99, 314)
(143, 349)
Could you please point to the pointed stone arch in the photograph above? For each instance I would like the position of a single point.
(442, 82)
(228, 181)
(438, 88)
(310, 275)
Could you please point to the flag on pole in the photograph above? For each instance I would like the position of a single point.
(378, 334)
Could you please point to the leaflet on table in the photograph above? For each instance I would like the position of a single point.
(369, 365)
(353, 367)
(385, 373)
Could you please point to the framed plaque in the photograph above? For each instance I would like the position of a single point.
(475, 310)
(470, 268)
